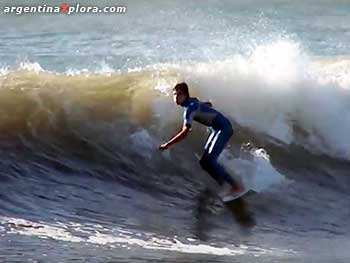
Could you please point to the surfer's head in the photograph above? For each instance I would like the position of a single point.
(180, 93)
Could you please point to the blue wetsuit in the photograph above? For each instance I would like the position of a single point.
(221, 132)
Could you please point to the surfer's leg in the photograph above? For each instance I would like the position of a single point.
(207, 164)
(212, 151)
(206, 160)
(219, 142)
(209, 159)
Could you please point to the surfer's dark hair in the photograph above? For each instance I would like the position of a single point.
(183, 87)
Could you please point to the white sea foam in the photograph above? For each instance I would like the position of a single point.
(254, 169)
(123, 238)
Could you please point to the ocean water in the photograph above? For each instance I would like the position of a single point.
(85, 102)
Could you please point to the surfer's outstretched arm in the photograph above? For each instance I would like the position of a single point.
(177, 138)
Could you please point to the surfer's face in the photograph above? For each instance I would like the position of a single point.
(179, 97)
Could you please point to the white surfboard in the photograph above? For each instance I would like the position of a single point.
(229, 198)
(222, 193)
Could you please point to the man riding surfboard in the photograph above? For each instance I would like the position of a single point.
(221, 132)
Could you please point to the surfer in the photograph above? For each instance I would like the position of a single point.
(221, 132)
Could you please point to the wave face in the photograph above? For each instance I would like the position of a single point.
(276, 90)
(80, 164)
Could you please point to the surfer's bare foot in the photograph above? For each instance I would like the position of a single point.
(237, 189)
(229, 191)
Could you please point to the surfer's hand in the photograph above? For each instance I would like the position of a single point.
(164, 146)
